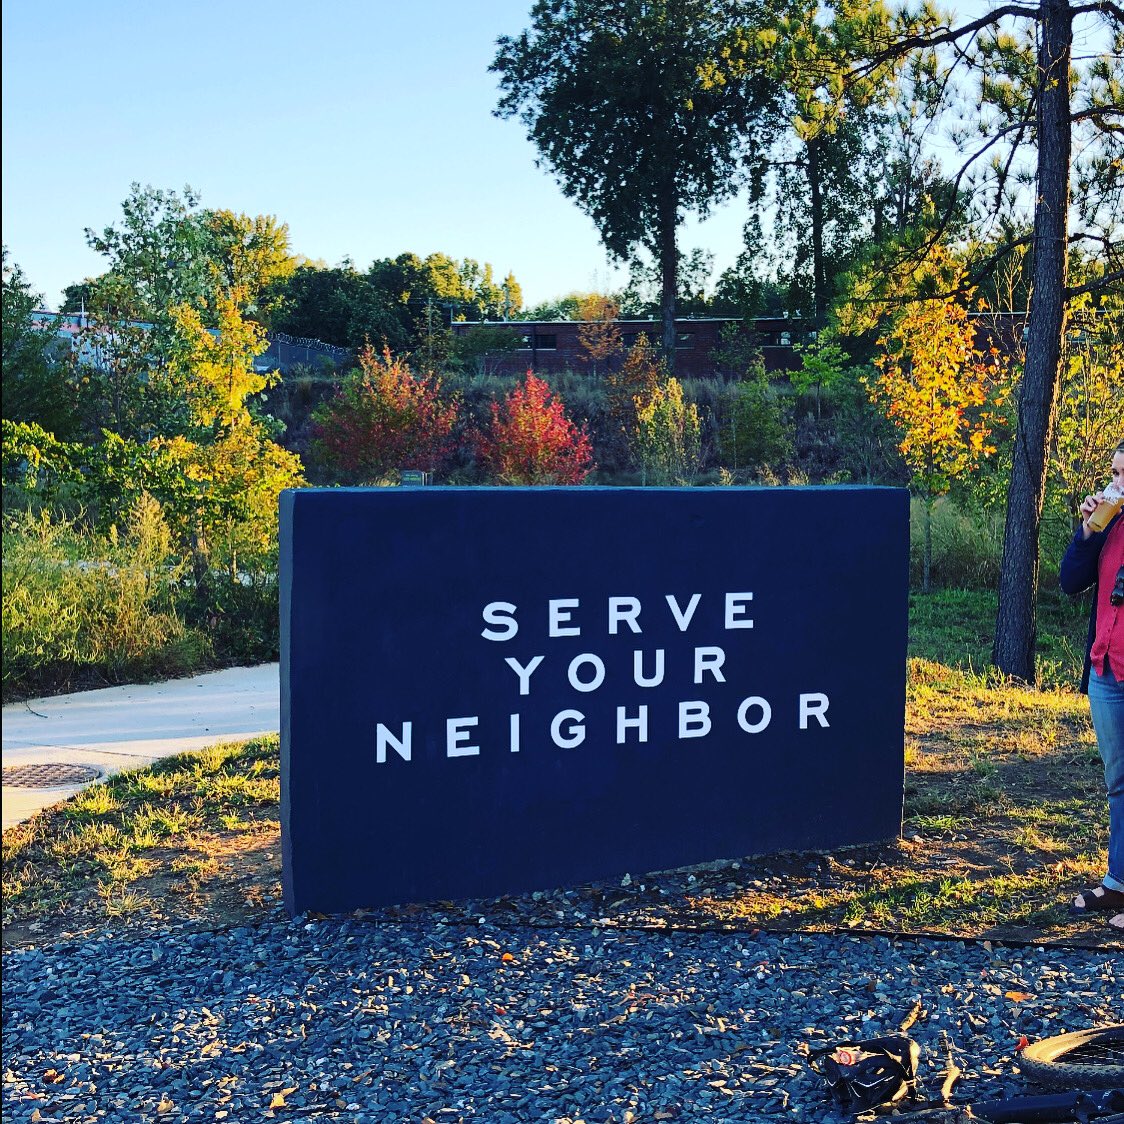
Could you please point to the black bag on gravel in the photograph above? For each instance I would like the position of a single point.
(863, 1075)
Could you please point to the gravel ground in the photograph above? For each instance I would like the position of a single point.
(439, 1020)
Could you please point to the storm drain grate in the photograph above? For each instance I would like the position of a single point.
(48, 775)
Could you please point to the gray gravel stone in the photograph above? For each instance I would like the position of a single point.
(470, 1021)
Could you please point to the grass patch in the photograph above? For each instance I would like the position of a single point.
(1005, 816)
(195, 835)
(956, 628)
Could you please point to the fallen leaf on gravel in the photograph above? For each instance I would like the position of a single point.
(1022, 1043)
(53, 1077)
(278, 1100)
(507, 958)
(1018, 996)
(165, 1106)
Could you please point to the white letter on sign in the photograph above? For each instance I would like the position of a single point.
(683, 618)
(454, 735)
(384, 738)
(498, 613)
(524, 673)
(639, 724)
(743, 712)
(598, 672)
(694, 719)
(576, 733)
(625, 609)
(813, 706)
(656, 678)
(735, 610)
(709, 659)
(559, 614)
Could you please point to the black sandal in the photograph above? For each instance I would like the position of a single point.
(1100, 899)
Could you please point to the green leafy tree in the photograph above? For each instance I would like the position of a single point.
(738, 351)
(406, 303)
(157, 259)
(121, 365)
(823, 366)
(122, 369)
(249, 255)
(752, 430)
(613, 99)
(340, 306)
(481, 348)
(1045, 118)
(131, 364)
(34, 386)
(561, 308)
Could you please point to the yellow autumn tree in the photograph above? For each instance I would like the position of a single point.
(942, 394)
(599, 332)
(667, 435)
(216, 367)
(628, 389)
(234, 468)
(1090, 400)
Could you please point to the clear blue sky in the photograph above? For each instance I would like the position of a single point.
(366, 126)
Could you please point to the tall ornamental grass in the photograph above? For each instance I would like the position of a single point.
(84, 609)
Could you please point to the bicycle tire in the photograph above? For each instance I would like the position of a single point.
(1081, 1059)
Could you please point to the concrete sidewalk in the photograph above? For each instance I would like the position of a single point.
(127, 727)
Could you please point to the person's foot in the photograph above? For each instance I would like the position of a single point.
(1100, 899)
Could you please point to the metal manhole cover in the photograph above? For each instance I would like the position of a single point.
(48, 775)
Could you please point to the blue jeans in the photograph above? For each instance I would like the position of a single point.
(1106, 703)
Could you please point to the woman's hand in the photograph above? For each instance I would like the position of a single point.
(1088, 506)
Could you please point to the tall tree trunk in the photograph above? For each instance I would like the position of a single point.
(669, 270)
(815, 201)
(927, 561)
(1016, 621)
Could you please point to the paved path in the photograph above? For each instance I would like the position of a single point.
(127, 727)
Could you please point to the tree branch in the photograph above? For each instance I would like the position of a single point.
(1094, 286)
(1097, 111)
(947, 35)
(1106, 6)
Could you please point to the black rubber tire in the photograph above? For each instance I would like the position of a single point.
(1058, 1062)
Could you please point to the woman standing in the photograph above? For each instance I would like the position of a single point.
(1096, 558)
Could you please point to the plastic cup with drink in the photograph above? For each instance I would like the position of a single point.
(1111, 500)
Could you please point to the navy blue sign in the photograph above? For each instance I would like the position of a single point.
(493, 690)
